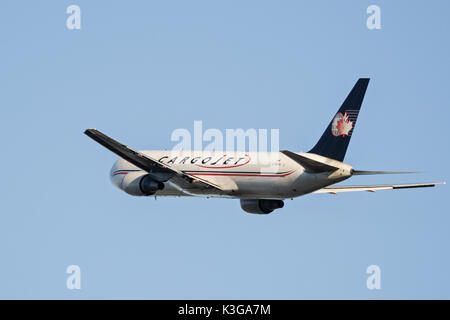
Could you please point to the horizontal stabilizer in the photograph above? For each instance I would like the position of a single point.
(369, 172)
(373, 188)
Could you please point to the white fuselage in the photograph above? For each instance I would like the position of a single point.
(258, 175)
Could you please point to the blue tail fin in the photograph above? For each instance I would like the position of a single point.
(334, 141)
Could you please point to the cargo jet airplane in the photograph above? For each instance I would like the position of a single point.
(260, 185)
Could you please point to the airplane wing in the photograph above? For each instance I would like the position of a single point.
(373, 188)
(158, 170)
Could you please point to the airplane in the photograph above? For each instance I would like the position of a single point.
(260, 185)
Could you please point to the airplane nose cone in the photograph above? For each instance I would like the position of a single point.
(116, 175)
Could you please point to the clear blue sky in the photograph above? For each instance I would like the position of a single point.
(137, 70)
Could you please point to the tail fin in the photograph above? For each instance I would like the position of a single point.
(334, 141)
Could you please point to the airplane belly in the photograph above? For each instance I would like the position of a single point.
(265, 187)
(307, 183)
(171, 190)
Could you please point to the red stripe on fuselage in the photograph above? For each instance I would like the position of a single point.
(241, 174)
(225, 167)
(119, 173)
(228, 174)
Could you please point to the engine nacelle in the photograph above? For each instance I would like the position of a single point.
(148, 186)
(261, 206)
(142, 185)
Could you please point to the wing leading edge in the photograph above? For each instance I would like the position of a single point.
(373, 188)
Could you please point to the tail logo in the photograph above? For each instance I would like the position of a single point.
(341, 125)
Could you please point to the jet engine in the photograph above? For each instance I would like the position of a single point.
(149, 186)
(261, 206)
(141, 185)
